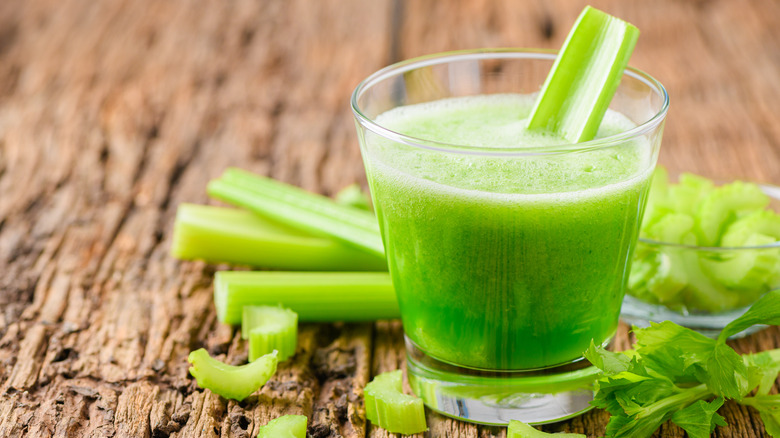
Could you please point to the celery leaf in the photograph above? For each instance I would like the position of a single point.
(700, 418)
(765, 311)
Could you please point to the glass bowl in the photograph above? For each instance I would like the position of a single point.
(702, 288)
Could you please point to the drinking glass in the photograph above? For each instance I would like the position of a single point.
(507, 261)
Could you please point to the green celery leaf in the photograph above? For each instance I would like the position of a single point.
(700, 418)
(769, 408)
(765, 311)
(673, 350)
(608, 389)
(621, 426)
(627, 385)
(725, 374)
(634, 398)
(762, 372)
(607, 361)
(647, 418)
(771, 421)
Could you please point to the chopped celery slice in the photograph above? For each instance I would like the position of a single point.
(234, 382)
(765, 222)
(704, 292)
(218, 235)
(584, 77)
(291, 205)
(518, 429)
(353, 196)
(389, 408)
(686, 199)
(673, 228)
(669, 279)
(286, 426)
(270, 328)
(748, 269)
(314, 296)
(698, 182)
(722, 205)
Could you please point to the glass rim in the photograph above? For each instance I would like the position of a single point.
(502, 53)
(657, 243)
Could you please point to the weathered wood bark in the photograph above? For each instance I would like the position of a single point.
(113, 112)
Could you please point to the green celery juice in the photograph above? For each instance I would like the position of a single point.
(504, 262)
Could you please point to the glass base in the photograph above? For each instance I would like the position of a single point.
(494, 398)
(641, 314)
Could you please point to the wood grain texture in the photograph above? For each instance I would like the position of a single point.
(113, 112)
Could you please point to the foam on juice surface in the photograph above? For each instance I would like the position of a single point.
(496, 122)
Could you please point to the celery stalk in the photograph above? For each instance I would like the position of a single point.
(234, 382)
(291, 205)
(389, 408)
(314, 296)
(584, 77)
(286, 426)
(218, 235)
(270, 328)
(353, 196)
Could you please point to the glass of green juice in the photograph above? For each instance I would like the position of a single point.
(508, 249)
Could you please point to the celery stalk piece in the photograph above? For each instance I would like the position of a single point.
(518, 429)
(270, 328)
(765, 222)
(749, 269)
(584, 77)
(673, 228)
(353, 196)
(723, 205)
(229, 235)
(670, 277)
(314, 296)
(389, 408)
(286, 426)
(234, 382)
(296, 207)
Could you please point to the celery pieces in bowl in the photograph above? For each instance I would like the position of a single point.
(705, 250)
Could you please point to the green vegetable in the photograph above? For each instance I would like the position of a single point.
(218, 235)
(286, 426)
(723, 205)
(314, 296)
(389, 408)
(768, 406)
(296, 207)
(518, 429)
(353, 196)
(695, 212)
(234, 382)
(585, 76)
(700, 419)
(764, 223)
(765, 311)
(270, 328)
(674, 371)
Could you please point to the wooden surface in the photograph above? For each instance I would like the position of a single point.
(113, 112)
